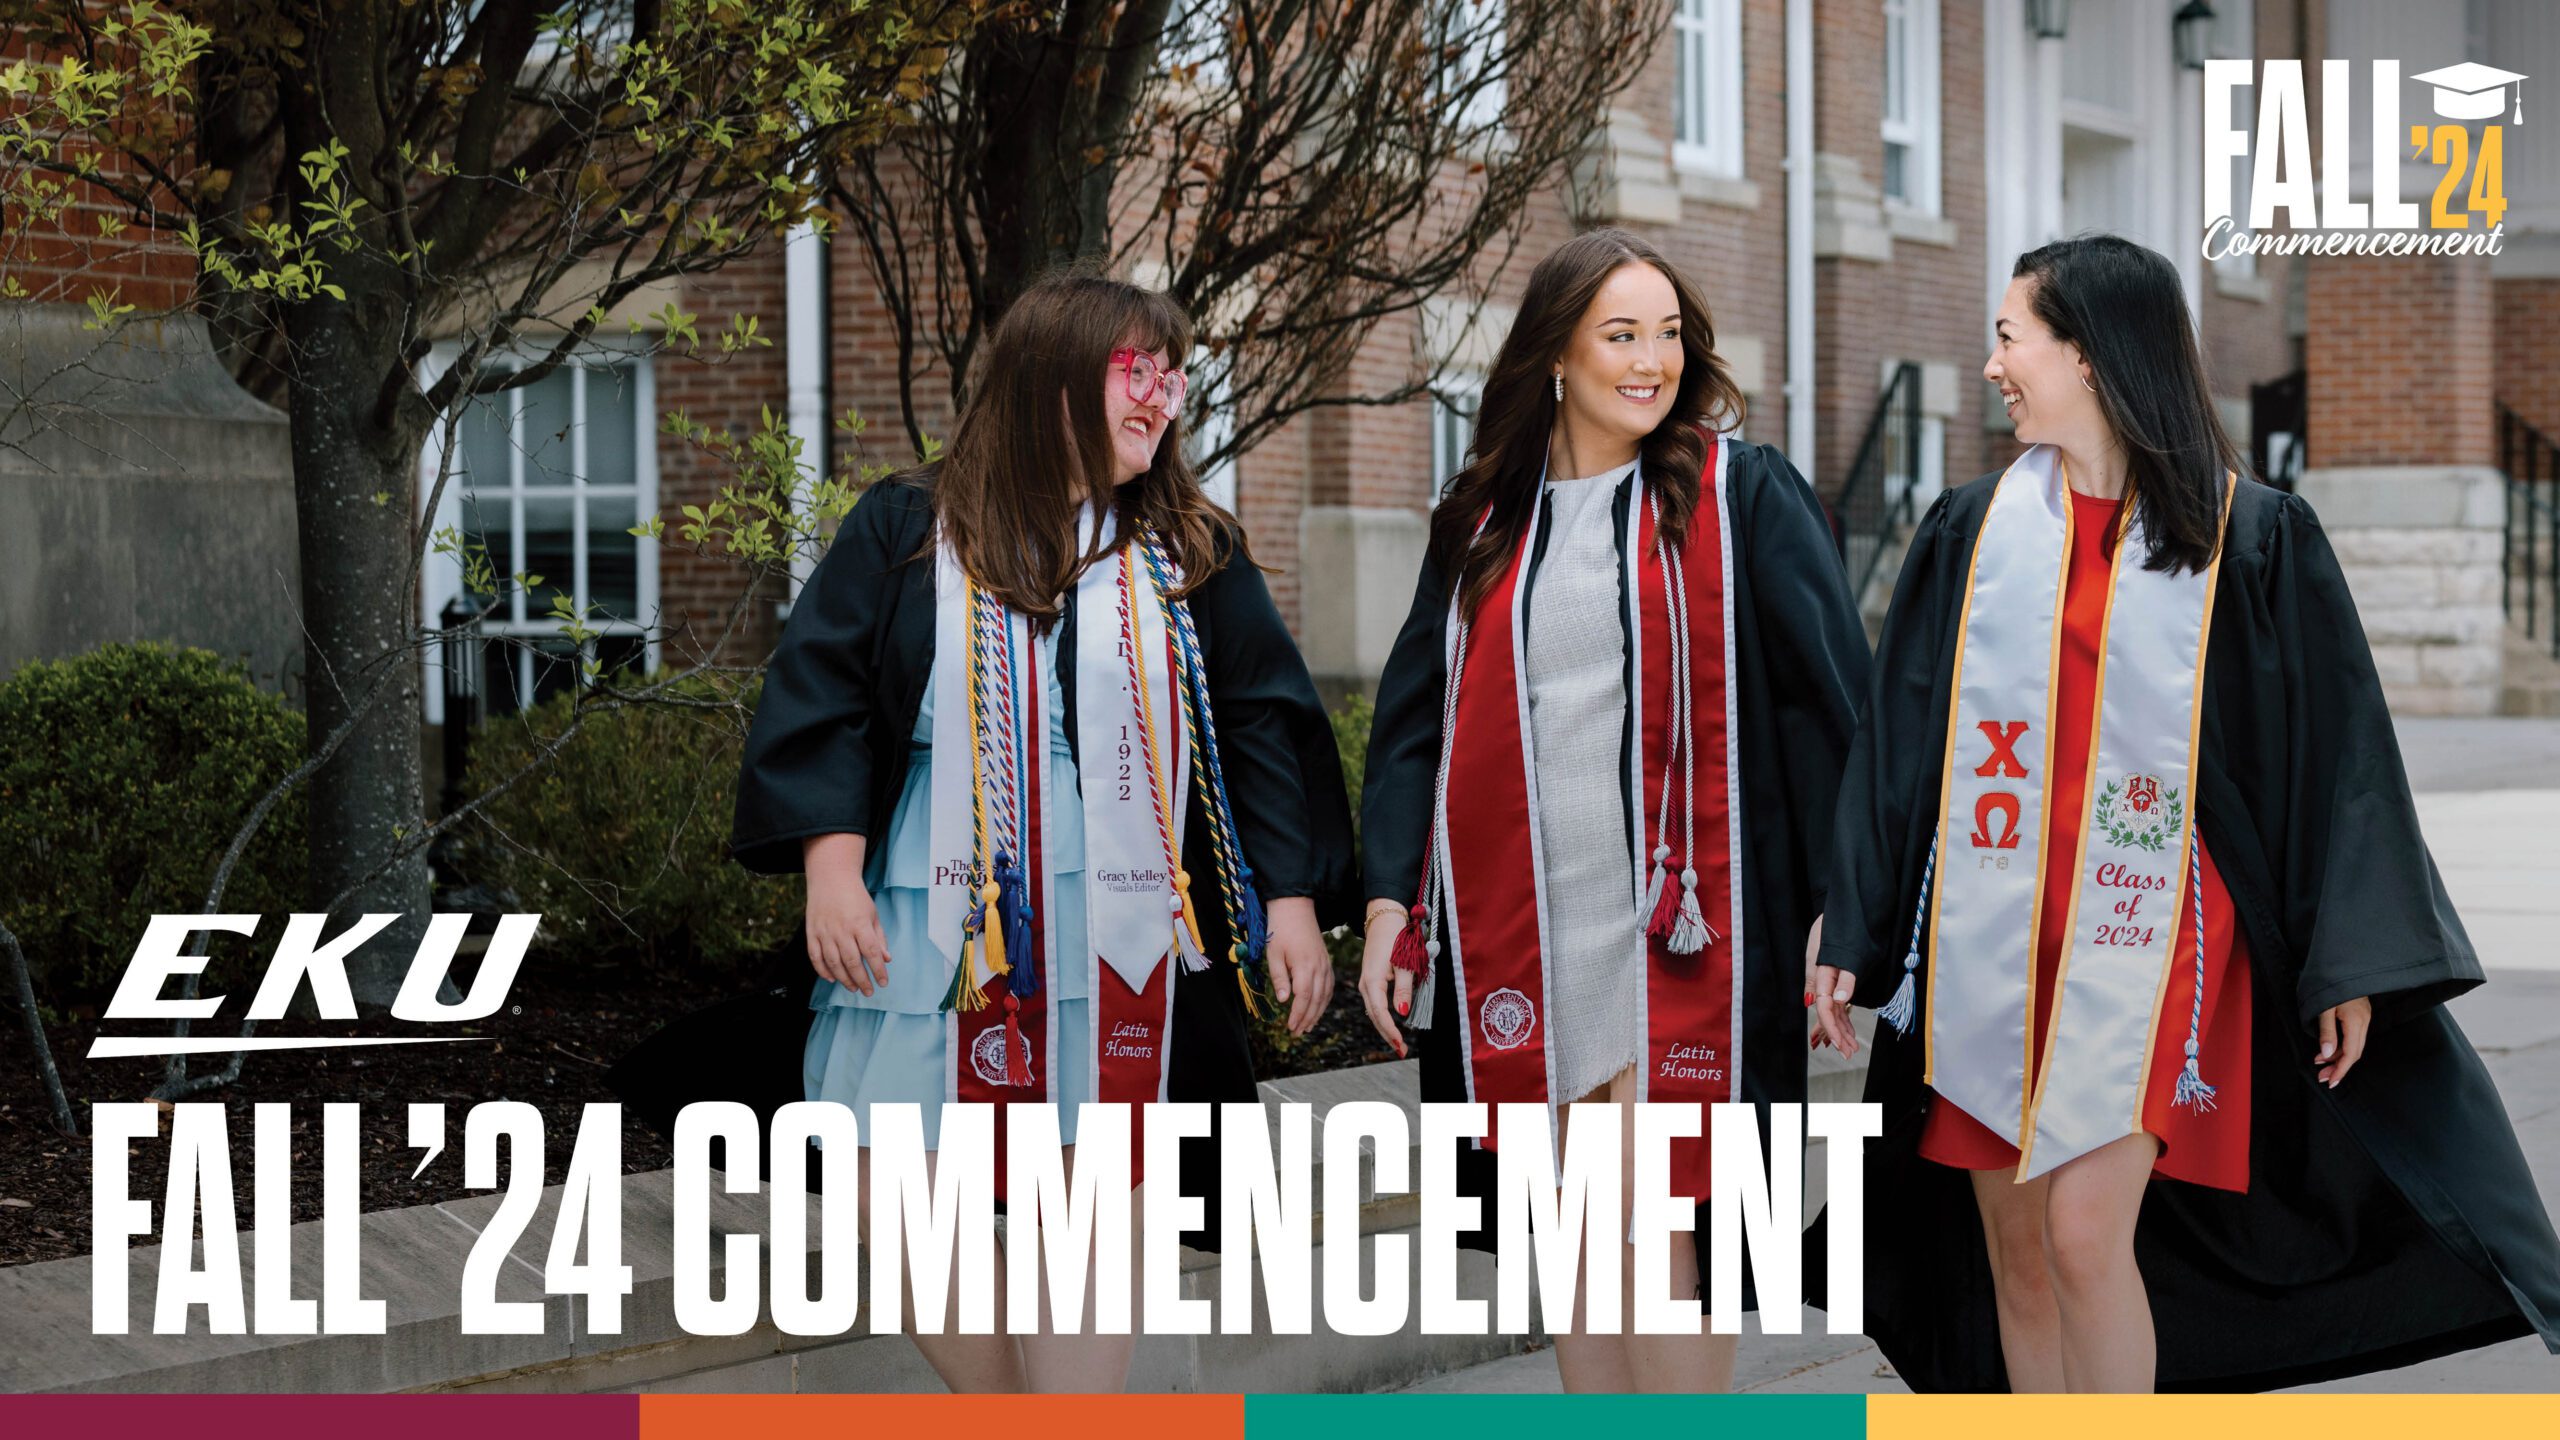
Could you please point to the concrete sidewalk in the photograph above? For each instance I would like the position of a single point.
(2489, 799)
(2515, 1022)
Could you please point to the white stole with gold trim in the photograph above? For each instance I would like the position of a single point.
(2132, 862)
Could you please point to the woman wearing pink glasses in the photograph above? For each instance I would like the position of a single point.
(1066, 802)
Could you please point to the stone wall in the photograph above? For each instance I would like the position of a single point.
(143, 496)
(2420, 547)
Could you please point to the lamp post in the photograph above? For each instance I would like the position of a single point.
(2049, 19)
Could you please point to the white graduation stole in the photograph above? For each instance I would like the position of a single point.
(1128, 890)
(2133, 863)
(1126, 883)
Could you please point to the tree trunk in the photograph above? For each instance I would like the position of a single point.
(355, 465)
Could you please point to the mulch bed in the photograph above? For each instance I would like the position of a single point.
(549, 1048)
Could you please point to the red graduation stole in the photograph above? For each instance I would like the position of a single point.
(1684, 776)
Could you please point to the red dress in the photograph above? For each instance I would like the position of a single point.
(2206, 1147)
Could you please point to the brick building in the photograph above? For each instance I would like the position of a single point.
(1862, 233)
(1940, 138)
(1848, 182)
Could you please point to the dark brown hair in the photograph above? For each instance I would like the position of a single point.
(1006, 495)
(2124, 306)
(1518, 411)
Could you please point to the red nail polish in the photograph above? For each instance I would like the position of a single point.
(1808, 999)
(1403, 1005)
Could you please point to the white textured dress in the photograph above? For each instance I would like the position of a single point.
(1576, 650)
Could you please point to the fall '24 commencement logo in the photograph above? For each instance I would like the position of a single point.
(2318, 211)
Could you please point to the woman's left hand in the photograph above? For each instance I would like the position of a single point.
(2342, 1032)
(1301, 968)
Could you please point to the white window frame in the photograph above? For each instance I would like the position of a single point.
(1208, 424)
(1707, 80)
(1195, 34)
(1485, 31)
(441, 579)
(1453, 424)
(1917, 129)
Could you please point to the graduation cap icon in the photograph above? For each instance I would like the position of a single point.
(2473, 91)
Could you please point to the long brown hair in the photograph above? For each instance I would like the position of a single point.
(1518, 412)
(2124, 306)
(1006, 494)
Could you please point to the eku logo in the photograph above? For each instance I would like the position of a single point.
(303, 956)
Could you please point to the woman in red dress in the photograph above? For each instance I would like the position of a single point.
(2126, 860)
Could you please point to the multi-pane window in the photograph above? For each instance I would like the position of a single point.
(1453, 423)
(1706, 96)
(551, 477)
(1911, 103)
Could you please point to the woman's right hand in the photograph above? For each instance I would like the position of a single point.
(842, 925)
(1385, 991)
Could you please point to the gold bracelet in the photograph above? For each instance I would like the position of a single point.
(1378, 908)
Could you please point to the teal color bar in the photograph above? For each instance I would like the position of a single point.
(1556, 1417)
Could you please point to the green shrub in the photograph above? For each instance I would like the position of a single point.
(1277, 1047)
(1351, 738)
(123, 775)
(620, 841)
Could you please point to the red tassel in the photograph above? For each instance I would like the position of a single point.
(1666, 909)
(1408, 955)
(1017, 1051)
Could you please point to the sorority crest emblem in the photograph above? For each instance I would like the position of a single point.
(986, 1055)
(1507, 1018)
(2137, 814)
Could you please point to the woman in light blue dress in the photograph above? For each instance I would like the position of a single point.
(888, 1044)
(838, 777)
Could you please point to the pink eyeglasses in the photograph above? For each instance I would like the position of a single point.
(1145, 379)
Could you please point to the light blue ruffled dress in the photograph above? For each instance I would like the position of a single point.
(892, 1045)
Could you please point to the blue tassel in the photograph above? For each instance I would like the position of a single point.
(1257, 927)
(1013, 909)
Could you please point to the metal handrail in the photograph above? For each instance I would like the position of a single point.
(2531, 552)
(1866, 511)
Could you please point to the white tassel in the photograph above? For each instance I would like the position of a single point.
(2193, 1091)
(1690, 933)
(1426, 988)
(2191, 1087)
(1904, 1007)
(1653, 885)
(1193, 962)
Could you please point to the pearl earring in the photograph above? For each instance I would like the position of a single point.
(1559, 385)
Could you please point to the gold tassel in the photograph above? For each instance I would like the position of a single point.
(1190, 922)
(991, 935)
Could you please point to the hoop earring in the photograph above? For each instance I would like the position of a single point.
(2085, 385)
(1559, 386)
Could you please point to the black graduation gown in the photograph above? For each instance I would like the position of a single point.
(828, 753)
(2388, 1221)
(1800, 662)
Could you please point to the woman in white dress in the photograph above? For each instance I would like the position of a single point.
(1603, 764)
